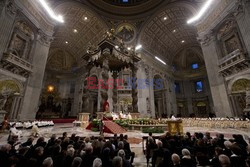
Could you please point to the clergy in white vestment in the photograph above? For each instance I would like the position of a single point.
(14, 132)
(35, 130)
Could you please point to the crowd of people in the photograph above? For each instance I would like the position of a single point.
(64, 151)
(198, 150)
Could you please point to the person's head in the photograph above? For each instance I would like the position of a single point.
(65, 134)
(97, 162)
(106, 152)
(100, 138)
(224, 161)
(48, 162)
(175, 159)
(120, 145)
(117, 161)
(185, 152)
(70, 152)
(227, 144)
(126, 137)
(76, 162)
(87, 139)
(13, 125)
(150, 133)
(39, 151)
(58, 141)
(236, 149)
(89, 149)
(121, 153)
(73, 135)
(30, 139)
(23, 150)
(5, 148)
(53, 137)
(218, 151)
(121, 136)
(159, 144)
(40, 140)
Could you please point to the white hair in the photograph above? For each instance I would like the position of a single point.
(97, 162)
(121, 153)
(48, 162)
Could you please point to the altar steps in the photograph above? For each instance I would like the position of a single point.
(112, 127)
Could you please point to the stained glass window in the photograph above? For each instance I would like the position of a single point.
(198, 86)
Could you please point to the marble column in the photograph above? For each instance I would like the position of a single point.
(15, 109)
(217, 84)
(134, 89)
(86, 94)
(7, 17)
(115, 91)
(35, 80)
(105, 76)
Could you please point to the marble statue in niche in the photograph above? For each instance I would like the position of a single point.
(17, 45)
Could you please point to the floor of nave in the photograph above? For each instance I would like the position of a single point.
(135, 136)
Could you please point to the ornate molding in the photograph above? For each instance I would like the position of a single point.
(44, 38)
(239, 7)
(206, 39)
(11, 8)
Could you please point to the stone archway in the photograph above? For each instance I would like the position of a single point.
(238, 95)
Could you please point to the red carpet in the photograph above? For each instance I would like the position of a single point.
(112, 127)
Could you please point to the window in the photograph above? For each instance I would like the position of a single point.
(177, 87)
(195, 66)
(198, 86)
(124, 1)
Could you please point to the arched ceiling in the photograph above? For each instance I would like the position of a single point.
(185, 58)
(81, 28)
(60, 60)
(159, 36)
(167, 32)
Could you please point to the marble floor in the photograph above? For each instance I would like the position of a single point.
(135, 136)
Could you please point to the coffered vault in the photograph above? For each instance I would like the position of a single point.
(163, 34)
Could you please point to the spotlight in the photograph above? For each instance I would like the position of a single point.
(52, 14)
(138, 47)
(75, 31)
(129, 48)
(66, 42)
(157, 58)
(201, 12)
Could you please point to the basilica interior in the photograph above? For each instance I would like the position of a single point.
(64, 63)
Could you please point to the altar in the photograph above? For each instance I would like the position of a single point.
(175, 127)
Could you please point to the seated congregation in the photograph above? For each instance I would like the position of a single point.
(198, 150)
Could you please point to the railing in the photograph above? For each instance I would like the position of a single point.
(15, 60)
(232, 59)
